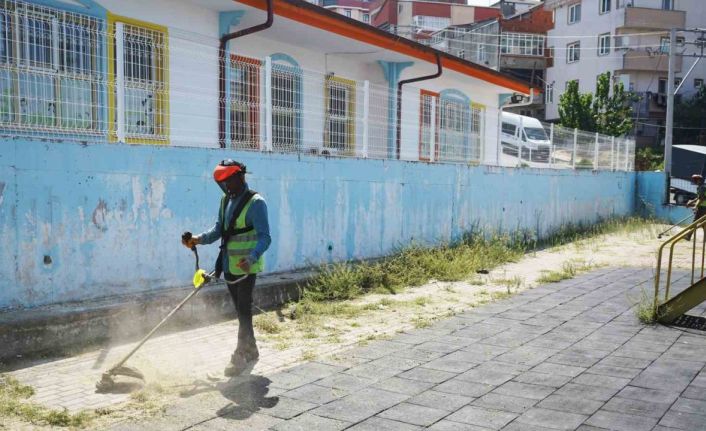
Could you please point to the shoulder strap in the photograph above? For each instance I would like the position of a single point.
(231, 230)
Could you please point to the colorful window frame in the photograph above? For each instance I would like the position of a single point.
(426, 140)
(340, 103)
(244, 82)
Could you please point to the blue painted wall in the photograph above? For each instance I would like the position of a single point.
(109, 217)
(650, 196)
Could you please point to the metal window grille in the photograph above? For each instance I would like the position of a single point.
(429, 125)
(476, 133)
(286, 110)
(145, 90)
(340, 115)
(50, 77)
(245, 103)
(453, 128)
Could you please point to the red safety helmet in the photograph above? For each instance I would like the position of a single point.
(227, 168)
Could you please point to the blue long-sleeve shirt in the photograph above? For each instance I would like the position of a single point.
(255, 217)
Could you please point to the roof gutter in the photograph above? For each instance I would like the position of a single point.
(399, 98)
(222, 67)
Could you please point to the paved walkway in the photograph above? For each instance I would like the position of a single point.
(569, 355)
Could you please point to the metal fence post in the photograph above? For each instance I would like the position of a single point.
(432, 138)
(120, 81)
(595, 153)
(612, 153)
(552, 147)
(268, 104)
(366, 114)
(627, 154)
(573, 155)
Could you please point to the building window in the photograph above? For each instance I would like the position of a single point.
(245, 103)
(340, 115)
(522, 44)
(698, 83)
(431, 23)
(142, 71)
(573, 52)
(668, 4)
(453, 129)
(549, 93)
(347, 12)
(662, 86)
(286, 108)
(677, 81)
(50, 70)
(366, 18)
(604, 44)
(429, 125)
(477, 131)
(664, 43)
(603, 6)
(574, 13)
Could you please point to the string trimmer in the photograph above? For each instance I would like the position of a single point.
(200, 279)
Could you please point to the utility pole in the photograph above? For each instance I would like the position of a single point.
(669, 132)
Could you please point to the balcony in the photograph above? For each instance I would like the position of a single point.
(653, 19)
(641, 61)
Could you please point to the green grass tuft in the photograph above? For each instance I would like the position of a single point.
(267, 323)
(568, 270)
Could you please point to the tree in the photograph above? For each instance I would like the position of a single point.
(612, 112)
(608, 112)
(575, 108)
(690, 119)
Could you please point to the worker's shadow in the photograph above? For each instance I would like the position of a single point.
(248, 393)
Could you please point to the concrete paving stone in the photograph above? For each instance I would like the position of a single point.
(359, 406)
(413, 414)
(656, 347)
(346, 360)
(570, 404)
(559, 369)
(637, 354)
(525, 390)
(480, 352)
(613, 371)
(370, 370)
(505, 403)
(492, 419)
(683, 421)
(315, 394)
(526, 355)
(486, 376)
(413, 339)
(451, 340)
(309, 422)
(646, 394)
(346, 382)
(398, 363)
(509, 339)
(661, 428)
(551, 419)
(636, 407)
(555, 342)
(438, 347)
(427, 375)
(440, 400)
(687, 405)
(600, 380)
(694, 392)
(590, 428)
(589, 352)
(620, 421)
(623, 362)
(418, 354)
(503, 367)
(403, 386)
(447, 425)
(573, 359)
(289, 381)
(316, 369)
(660, 380)
(377, 349)
(480, 330)
(553, 380)
(376, 423)
(699, 380)
(287, 408)
(449, 364)
(596, 393)
(460, 387)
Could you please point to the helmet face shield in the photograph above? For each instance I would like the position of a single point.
(225, 170)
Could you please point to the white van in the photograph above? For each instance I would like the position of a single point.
(527, 133)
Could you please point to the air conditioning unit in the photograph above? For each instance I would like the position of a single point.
(621, 42)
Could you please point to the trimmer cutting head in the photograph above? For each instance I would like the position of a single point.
(107, 382)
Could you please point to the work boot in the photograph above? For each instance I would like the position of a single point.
(241, 359)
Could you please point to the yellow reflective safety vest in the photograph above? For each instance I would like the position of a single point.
(241, 238)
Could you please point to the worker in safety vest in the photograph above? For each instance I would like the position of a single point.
(698, 203)
(244, 231)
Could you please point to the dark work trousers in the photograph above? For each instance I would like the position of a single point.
(242, 299)
(698, 213)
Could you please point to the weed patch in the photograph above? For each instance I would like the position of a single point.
(645, 310)
(568, 270)
(267, 323)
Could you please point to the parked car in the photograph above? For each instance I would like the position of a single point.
(524, 136)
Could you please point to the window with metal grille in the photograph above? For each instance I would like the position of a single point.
(453, 129)
(245, 103)
(428, 125)
(477, 130)
(286, 108)
(50, 77)
(141, 84)
(340, 114)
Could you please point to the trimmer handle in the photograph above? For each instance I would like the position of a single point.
(186, 236)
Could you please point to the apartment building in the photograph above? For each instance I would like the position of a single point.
(630, 39)
(356, 9)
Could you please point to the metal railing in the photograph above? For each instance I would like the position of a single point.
(690, 233)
